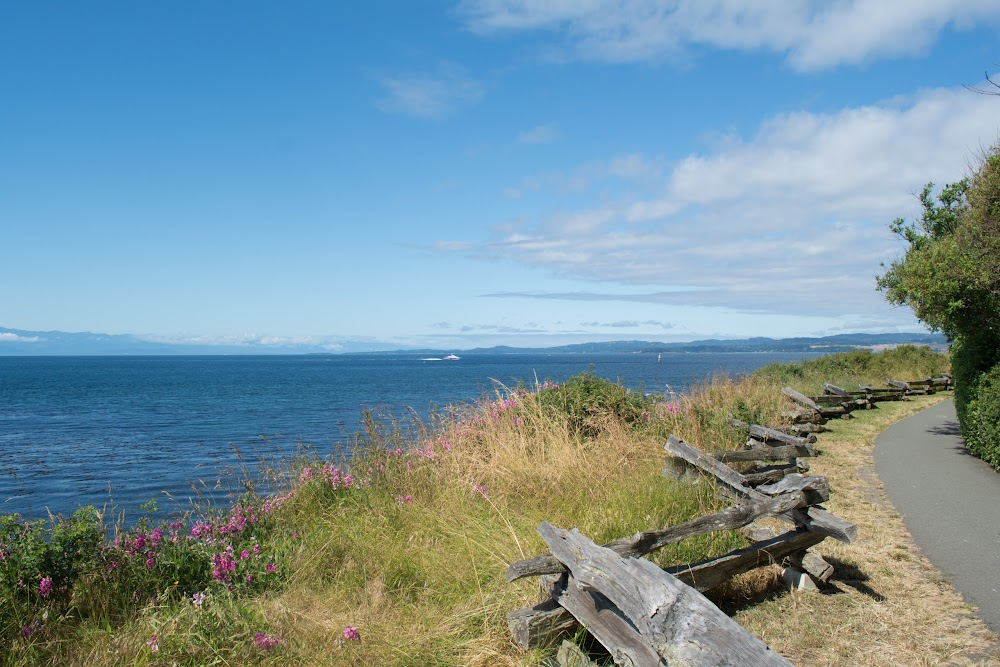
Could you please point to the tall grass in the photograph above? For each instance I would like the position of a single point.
(393, 555)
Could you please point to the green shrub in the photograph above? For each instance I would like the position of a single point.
(982, 419)
(590, 403)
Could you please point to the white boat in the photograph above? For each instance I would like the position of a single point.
(450, 357)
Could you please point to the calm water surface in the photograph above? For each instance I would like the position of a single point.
(84, 430)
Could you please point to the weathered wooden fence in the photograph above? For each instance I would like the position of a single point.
(645, 615)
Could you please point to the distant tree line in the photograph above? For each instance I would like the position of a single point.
(950, 277)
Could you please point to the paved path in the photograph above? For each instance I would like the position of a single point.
(950, 502)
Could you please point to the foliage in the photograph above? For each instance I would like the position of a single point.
(950, 276)
(849, 370)
(589, 402)
(982, 419)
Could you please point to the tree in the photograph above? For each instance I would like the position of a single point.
(950, 277)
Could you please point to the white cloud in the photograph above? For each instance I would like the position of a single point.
(792, 220)
(430, 96)
(14, 338)
(541, 134)
(813, 35)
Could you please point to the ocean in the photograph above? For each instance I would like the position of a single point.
(115, 432)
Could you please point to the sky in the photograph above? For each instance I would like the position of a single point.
(476, 172)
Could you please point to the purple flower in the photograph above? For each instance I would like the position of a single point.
(153, 644)
(266, 643)
(351, 634)
(271, 568)
(45, 586)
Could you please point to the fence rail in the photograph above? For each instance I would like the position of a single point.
(646, 615)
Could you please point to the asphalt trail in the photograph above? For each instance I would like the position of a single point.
(949, 500)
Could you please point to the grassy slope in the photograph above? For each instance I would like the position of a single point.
(412, 554)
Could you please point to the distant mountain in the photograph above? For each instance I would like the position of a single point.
(837, 343)
(17, 342)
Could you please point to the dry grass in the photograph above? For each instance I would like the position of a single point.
(888, 605)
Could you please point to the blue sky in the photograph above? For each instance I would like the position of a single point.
(455, 174)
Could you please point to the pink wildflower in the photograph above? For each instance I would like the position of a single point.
(351, 634)
(271, 568)
(266, 643)
(45, 586)
(153, 644)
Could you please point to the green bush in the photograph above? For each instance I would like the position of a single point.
(982, 419)
(590, 403)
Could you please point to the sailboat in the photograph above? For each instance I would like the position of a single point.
(659, 358)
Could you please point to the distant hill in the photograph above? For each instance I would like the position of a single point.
(17, 342)
(837, 343)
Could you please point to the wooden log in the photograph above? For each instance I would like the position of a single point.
(727, 478)
(765, 453)
(708, 574)
(606, 624)
(682, 624)
(835, 390)
(769, 474)
(647, 541)
(818, 520)
(799, 398)
(808, 429)
(733, 484)
(817, 567)
(898, 384)
(835, 411)
(803, 416)
(541, 625)
(765, 434)
(815, 488)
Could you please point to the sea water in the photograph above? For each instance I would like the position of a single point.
(115, 432)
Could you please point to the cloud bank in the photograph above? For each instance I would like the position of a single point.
(791, 220)
(813, 34)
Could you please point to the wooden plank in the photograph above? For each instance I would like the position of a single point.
(815, 565)
(647, 541)
(724, 475)
(898, 384)
(607, 625)
(808, 429)
(765, 453)
(541, 625)
(834, 389)
(708, 574)
(799, 398)
(803, 416)
(769, 474)
(816, 488)
(765, 434)
(683, 625)
(818, 520)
